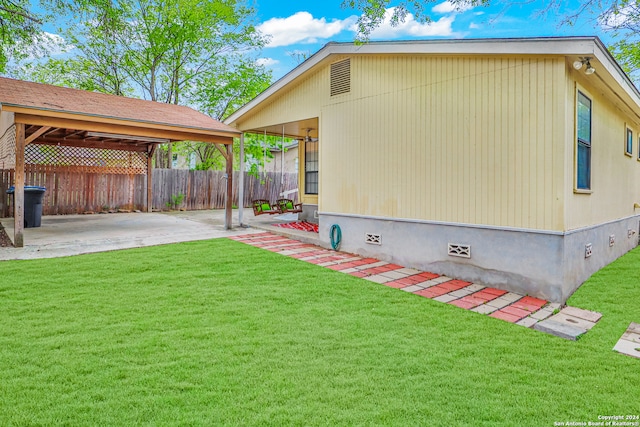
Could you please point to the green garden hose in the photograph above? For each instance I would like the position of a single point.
(335, 235)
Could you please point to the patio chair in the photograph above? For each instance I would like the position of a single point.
(262, 206)
(287, 206)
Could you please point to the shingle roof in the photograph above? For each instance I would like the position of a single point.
(54, 98)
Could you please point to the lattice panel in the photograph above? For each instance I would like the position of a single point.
(90, 160)
(8, 148)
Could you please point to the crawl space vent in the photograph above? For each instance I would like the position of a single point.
(588, 250)
(463, 251)
(372, 238)
(341, 77)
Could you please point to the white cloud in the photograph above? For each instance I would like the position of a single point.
(301, 27)
(474, 26)
(267, 62)
(612, 20)
(411, 27)
(448, 7)
(45, 44)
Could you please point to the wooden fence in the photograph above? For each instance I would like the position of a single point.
(207, 189)
(71, 191)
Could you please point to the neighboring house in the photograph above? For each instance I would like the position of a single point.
(183, 161)
(283, 160)
(507, 162)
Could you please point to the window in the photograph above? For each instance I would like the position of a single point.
(583, 155)
(311, 167)
(629, 148)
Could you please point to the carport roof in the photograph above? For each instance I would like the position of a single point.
(47, 101)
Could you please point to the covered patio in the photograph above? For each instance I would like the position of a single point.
(49, 126)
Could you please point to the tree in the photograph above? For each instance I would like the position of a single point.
(17, 26)
(188, 52)
(623, 18)
(219, 96)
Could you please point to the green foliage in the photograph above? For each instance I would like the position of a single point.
(18, 29)
(627, 53)
(165, 51)
(188, 52)
(176, 201)
(220, 333)
(208, 157)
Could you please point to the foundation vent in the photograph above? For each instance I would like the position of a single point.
(340, 77)
(463, 251)
(612, 240)
(373, 238)
(588, 250)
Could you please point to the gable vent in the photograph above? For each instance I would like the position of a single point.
(341, 77)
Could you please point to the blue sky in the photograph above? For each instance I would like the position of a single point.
(295, 26)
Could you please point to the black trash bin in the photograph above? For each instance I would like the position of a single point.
(33, 196)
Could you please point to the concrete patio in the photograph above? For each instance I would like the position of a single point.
(65, 235)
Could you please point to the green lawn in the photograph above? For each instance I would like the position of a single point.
(218, 332)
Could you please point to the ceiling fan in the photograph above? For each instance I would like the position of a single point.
(308, 138)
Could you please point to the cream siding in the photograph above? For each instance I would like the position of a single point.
(299, 101)
(6, 120)
(615, 177)
(455, 139)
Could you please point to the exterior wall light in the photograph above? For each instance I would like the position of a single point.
(582, 62)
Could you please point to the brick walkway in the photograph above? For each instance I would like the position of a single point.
(508, 306)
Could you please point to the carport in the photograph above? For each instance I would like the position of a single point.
(96, 132)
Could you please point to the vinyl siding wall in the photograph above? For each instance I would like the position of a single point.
(615, 177)
(455, 139)
(299, 101)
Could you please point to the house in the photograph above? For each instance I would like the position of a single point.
(284, 159)
(509, 162)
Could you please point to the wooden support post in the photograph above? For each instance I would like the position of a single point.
(18, 195)
(229, 202)
(241, 183)
(151, 148)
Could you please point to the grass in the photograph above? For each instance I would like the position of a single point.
(218, 332)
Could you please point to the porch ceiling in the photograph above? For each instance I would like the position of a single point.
(296, 129)
(48, 135)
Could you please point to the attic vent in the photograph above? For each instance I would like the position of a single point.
(341, 77)
(463, 251)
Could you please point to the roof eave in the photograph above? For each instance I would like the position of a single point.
(562, 46)
(70, 115)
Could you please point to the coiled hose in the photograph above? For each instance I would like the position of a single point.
(335, 235)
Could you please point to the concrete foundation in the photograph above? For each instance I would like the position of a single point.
(309, 213)
(545, 264)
